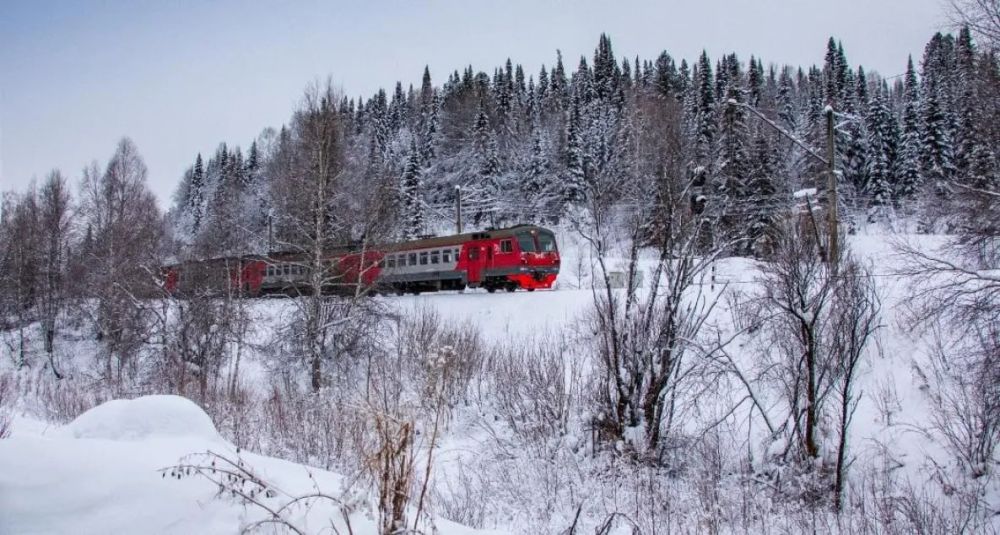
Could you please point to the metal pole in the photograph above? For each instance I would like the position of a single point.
(458, 209)
(834, 250)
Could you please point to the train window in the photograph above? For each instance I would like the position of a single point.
(423, 258)
(546, 242)
(526, 243)
(392, 261)
(506, 246)
(446, 256)
(287, 269)
(270, 271)
(411, 259)
(435, 257)
(474, 253)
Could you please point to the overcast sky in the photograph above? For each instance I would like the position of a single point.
(180, 77)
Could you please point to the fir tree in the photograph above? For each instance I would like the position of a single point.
(908, 173)
(966, 104)
(410, 193)
(878, 186)
(574, 184)
(704, 121)
(196, 195)
(936, 140)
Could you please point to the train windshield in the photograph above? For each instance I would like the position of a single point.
(546, 242)
(526, 242)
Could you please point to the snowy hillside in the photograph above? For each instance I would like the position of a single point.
(515, 451)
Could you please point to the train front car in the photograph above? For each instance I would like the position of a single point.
(541, 265)
(525, 256)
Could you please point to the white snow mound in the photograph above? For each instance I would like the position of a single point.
(144, 417)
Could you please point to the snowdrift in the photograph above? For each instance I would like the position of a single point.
(102, 474)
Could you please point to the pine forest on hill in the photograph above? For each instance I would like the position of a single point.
(524, 146)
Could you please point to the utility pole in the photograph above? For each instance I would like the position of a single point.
(458, 209)
(831, 190)
(270, 235)
(832, 255)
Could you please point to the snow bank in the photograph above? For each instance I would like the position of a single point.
(142, 418)
(102, 473)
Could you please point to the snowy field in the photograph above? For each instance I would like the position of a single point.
(104, 471)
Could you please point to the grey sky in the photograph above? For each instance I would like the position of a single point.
(180, 77)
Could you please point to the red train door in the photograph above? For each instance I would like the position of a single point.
(475, 258)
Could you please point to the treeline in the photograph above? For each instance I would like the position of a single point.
(104, 244)
(538, 147)
(525, 146)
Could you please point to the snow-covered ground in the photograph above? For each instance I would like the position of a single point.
(102, 472)
(108, 471)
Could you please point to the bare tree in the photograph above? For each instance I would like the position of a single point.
(55, 220)
(328, 210)
(819, 321)
(958, 302)
(800, 286)
(647, 341)
(856, 316)
(981, 16)
(124, 229)
(21, 273)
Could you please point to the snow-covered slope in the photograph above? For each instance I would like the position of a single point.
(103, 473)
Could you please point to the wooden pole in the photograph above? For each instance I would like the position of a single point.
(458, 209)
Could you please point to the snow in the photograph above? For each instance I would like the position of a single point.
(103, 474)
(143, 418)
(808, 192)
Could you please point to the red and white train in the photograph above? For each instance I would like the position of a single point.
(524, 256)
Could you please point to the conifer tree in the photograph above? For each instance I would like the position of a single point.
(704, 120)
(878, 186)
(908, 172)
(936, 140)
(966, 104)
(196, 195)
(410, 193)
(576, 171)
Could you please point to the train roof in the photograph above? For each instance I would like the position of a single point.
(455, 239)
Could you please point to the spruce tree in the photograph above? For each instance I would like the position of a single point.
(966, 105)
(411, 195)
(936, 136)
(878, 186)
(196, 195)
(908, 173)
(704, 120)
(574, 184)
